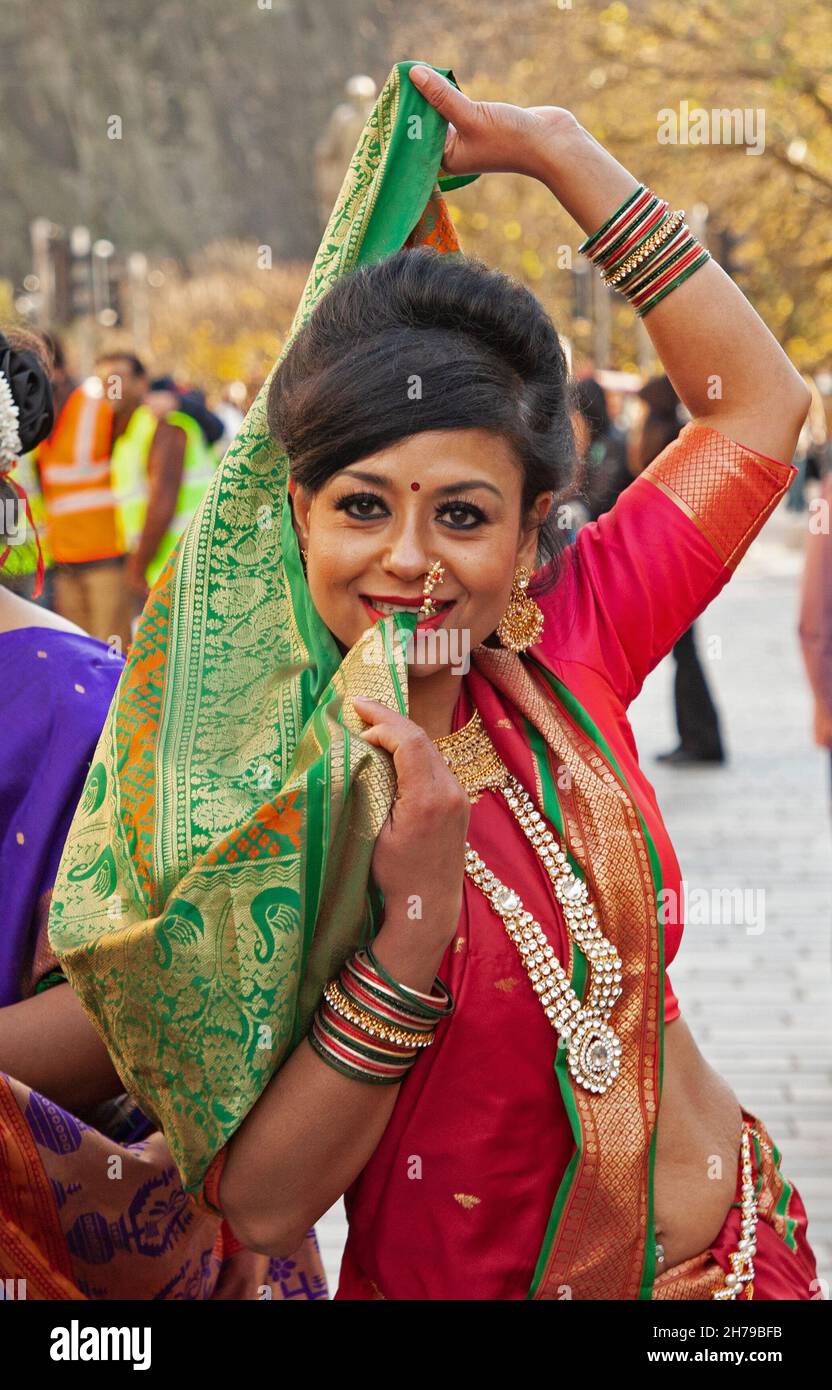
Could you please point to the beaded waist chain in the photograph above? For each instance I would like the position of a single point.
(700, 1277)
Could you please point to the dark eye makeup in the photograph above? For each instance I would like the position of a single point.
(352, 502)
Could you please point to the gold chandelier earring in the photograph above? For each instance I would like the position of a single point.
(521, 625)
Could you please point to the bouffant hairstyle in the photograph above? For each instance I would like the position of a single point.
(26, 363)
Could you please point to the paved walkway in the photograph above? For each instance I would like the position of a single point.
(758, 1001)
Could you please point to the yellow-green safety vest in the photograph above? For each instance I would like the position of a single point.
(129, 480)
(23, 555)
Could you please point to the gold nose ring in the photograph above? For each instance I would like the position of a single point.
(434, 576)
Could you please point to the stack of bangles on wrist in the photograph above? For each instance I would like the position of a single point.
(370, 1027)
(645, 250)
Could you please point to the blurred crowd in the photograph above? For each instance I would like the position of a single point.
(621, 425)
(112, 488)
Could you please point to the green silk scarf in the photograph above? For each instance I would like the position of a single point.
(217, 870)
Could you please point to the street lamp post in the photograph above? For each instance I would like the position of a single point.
(81, 294)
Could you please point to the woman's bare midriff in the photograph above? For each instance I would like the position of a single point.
(697, 1150)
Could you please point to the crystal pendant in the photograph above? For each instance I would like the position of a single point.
(507, 900)
(594, 1055)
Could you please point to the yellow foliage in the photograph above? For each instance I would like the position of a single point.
(616, 66)
(222, 318)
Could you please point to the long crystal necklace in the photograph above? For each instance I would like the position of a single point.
(594, 1056)
(594, 1050)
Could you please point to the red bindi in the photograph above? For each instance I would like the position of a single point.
(414, 487)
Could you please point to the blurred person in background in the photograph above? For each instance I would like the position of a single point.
(573, 508)
(812, 453)
(700, 738)
(607, 472)
(166, 396)
(74, 466)
(162, 465)
(815, 622)
(231, 409)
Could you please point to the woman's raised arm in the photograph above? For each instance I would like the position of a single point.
(726, 366)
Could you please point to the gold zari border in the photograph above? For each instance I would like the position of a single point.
(598, 1250)
(728, 492)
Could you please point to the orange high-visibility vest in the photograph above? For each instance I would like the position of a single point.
(74, 466)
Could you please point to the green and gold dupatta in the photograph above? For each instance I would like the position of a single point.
(217, 868)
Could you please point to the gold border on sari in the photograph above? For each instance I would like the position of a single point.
(598, 1249)
(727, 491)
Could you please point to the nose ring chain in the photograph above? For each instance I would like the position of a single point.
(434, 576)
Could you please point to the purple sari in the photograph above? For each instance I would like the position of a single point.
(56, 690)
(66, 1229)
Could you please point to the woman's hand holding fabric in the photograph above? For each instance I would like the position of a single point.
(492, 136)
(419, 857)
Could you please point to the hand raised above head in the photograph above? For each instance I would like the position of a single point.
(492, 136)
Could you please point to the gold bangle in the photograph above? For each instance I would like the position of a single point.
(337, 1000)
(667, 229)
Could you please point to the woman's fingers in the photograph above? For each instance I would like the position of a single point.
(372, 711)
(443, 96)
(386, 726)
(415, 758)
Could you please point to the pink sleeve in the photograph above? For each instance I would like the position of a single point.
(671, 1003)
(636, 578)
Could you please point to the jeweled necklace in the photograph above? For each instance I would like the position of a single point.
(594, 1057)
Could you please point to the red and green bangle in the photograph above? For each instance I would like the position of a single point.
(438, 1004)
(644, 250)
(371, 1027)
(354, 1052)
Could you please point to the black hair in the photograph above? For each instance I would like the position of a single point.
(137, 367)
(26, 369)
(591, 401)
(427, 341)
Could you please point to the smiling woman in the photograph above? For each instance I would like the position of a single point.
(417, 958)
(444, 372)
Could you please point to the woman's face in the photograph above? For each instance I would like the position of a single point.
(376, 528)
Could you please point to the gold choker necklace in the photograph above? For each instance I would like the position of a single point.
(472, 757)
(594, 1056)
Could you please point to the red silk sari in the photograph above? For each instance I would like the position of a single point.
(494, 1179)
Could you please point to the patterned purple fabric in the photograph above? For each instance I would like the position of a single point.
(55, 689)
(139, 1236)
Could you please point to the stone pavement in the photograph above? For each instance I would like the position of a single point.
(759, 1002)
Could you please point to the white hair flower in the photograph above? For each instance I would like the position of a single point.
(10, 445)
